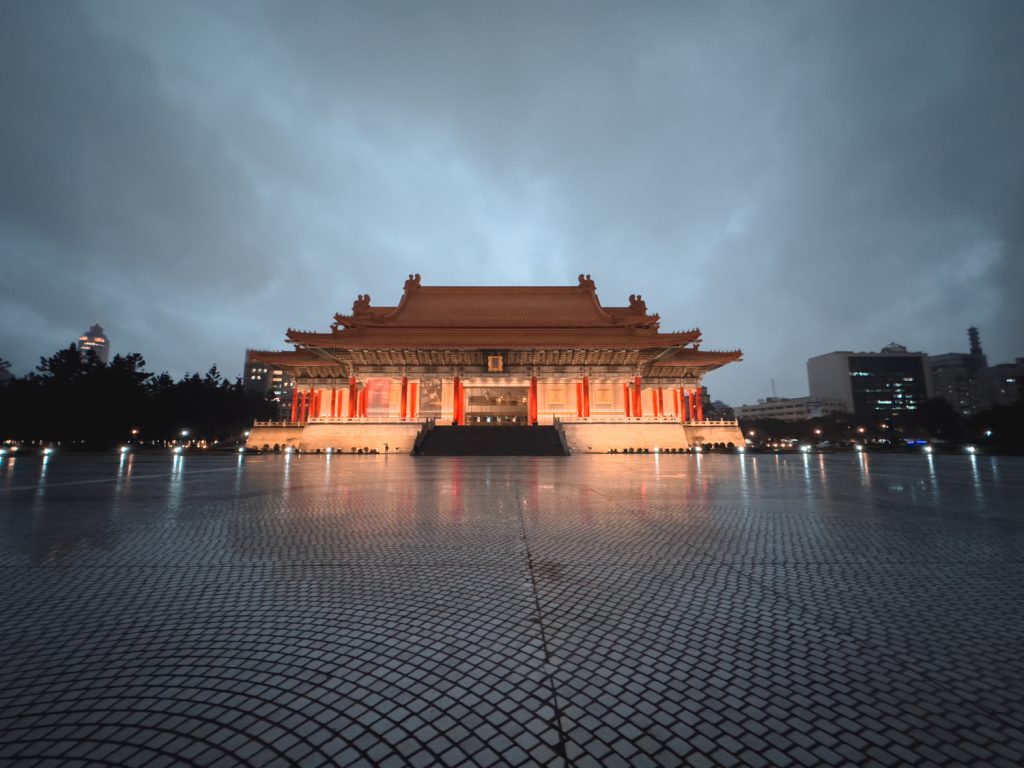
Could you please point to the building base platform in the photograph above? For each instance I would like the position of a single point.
(580, 435)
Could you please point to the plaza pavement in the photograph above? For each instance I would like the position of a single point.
(591, 610)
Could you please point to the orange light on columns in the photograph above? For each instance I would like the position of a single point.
(405, 398)
(413, 395)
(456, 398)
(675, 402)
(625, 399)
(579, 398)
(352, 394)
(334, 401)
(638, 410)
(700, 404)
(586, 397)
(533, 400)
(295, 404)
(661, 402)
(363, 397)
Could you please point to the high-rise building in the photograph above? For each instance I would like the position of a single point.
(96, 340)
(1004, 383)
(959, 378)
(871, 383)
(261, 377)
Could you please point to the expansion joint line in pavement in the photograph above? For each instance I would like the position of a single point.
(562, 747)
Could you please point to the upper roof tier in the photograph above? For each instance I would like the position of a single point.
(501, 307)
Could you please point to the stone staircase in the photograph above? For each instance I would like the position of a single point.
(490, 441)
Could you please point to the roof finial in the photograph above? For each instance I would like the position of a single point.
(637, 304)
(361, 305)
(586, 282)
(412, 283)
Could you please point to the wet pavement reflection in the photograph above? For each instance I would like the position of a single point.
(597, 610)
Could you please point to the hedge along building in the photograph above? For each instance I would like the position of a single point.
(496, 356)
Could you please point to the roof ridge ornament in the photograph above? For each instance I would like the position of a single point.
(637, 304)
(412, 283)
(586, 283)
(361, 306)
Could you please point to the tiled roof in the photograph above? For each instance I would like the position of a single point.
(492, 338)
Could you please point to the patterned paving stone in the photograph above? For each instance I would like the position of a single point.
(655, 610)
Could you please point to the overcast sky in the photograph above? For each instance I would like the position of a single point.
(790, 177)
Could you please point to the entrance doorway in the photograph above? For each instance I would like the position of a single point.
(497, 406)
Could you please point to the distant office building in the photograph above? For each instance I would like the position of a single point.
(959, 379)
(789, 408)
(1003, 383)
(96, 340)
(261, 377)
(871, 383)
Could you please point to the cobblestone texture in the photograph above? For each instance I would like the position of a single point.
(597, 610)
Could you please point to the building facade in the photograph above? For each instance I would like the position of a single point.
(261, 378)
(493, 356)
(94, 340)
(789, 408)
(959, 378)
(870, 384)
(1004, 383)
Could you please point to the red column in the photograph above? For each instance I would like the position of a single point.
(302, 406)
(334, 401)
(586, 397)
(405, 397)
(654, 402)
(661, 402)
(625, 400)
(413, 391)
(675, 402)
(689, 405)
(533, 400)
(579, 398)
(363, 395)
(351, 396)
(638, 410)
(700, 404)
(295, 403)
(456, 400)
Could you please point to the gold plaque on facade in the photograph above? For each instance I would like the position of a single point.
(495, 363)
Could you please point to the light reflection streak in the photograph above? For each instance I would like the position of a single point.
(744, 485)
(865, 468)
(979, 495)
(933, 479)
(41, 489)
(807, 472)
(174, 483)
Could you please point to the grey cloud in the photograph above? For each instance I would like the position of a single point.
(793, 178)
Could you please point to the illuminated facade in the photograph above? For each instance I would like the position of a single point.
(95, 340)
(493, 356)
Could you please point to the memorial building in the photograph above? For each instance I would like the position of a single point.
(606, 378)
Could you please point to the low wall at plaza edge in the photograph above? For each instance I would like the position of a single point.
(339, 436)
(279, 434)
(398, 436)
(709, 432)
(601, 437)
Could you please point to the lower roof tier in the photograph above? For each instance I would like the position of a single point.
(671, 362)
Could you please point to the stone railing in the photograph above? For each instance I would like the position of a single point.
(620, 419)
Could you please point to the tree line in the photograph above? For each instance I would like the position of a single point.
(80, 401)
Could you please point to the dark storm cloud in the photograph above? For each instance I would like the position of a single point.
(792, 178)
